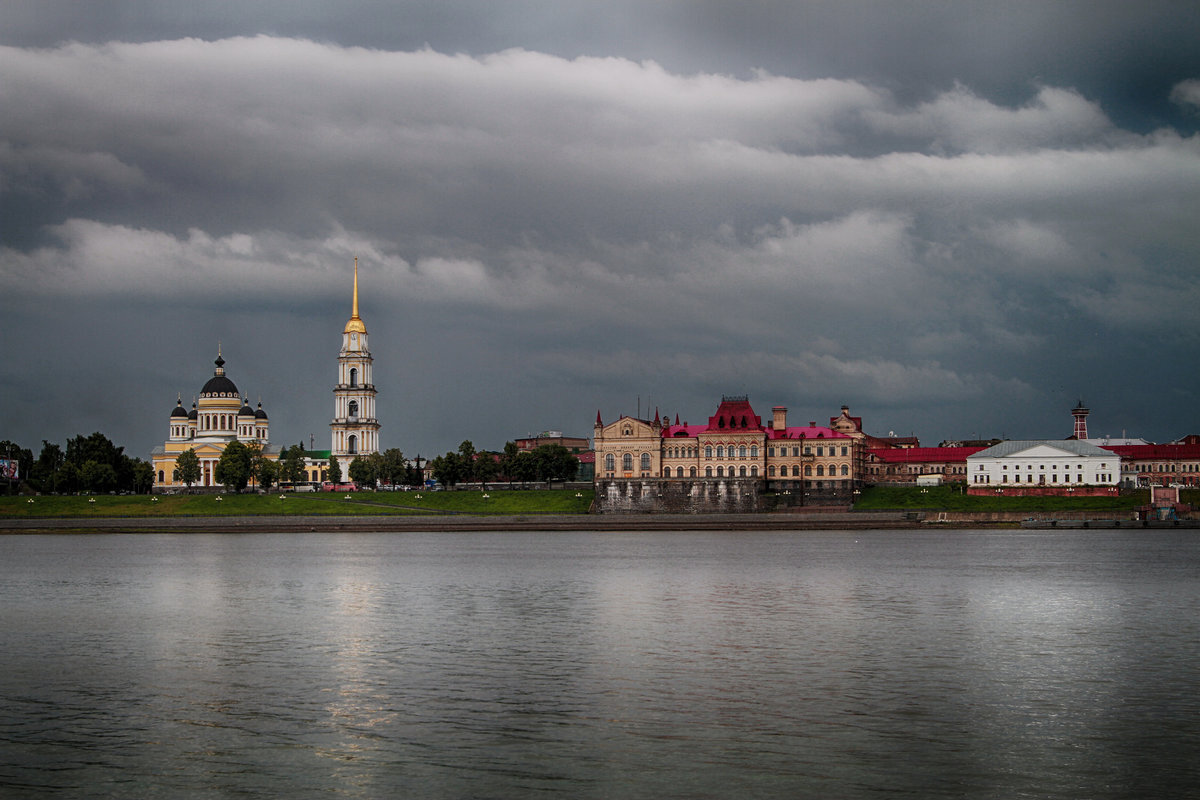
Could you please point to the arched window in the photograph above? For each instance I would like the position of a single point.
(610, 462)
(754, 471)
(679, 472)
(754, 451)
(720, 472)
(720, 451)
(742, 451)
(820, 470)
(667, 472)
(808, 470)
(708, 472)
(691, 472)
(741, 471)
(645, 462)
(771, 471)
(353, 376)
(627, 462)
(845, 470)
(708, 451)
(796, 470)
(352, 409)
(160, 476)
(353, 441)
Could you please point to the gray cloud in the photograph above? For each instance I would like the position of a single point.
(541, 235)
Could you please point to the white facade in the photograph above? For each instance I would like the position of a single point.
(1043, 463)
(354, 429)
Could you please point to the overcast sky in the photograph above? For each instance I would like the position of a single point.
(957, 218)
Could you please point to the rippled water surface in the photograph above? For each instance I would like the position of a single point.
(659, 665)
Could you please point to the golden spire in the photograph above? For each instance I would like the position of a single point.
(355, 325)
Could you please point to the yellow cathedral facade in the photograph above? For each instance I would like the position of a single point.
(221, 415)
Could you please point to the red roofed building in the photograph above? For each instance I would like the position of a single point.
(906, 464)
(817, 462)
(1158, 464)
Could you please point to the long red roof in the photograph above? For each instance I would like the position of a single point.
(910, 455)
(1164, 451)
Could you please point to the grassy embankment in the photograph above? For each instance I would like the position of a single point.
(503, 501)
(951, 498)
(499, 501)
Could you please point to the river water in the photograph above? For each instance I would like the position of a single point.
(922, 664)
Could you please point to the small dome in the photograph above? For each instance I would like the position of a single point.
(260, 414)
(193, 414)
(246, 410)
(179, 410)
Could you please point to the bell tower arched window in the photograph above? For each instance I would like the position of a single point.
(352, 408)
(353, 378)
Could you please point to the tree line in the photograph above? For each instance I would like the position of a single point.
(549, 462)
(88, 464)
(94, 464)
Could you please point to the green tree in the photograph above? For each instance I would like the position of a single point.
(335, 470)
(555, 463)
(291, 464)
(233, 467)
(262, 475)
(362, 471)
(447, 469)
(187, 468)
(97, 477)
(486, 467)
(98, 448)
(524, 467)
(268, 472)
(143, 476)
(393, 468)
(45, 471)
(68, 479)
(506, 461)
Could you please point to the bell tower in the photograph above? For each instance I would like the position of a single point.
(354, 429)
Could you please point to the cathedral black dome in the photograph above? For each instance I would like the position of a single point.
(218, 385)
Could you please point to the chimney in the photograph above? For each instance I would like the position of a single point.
(779, 418)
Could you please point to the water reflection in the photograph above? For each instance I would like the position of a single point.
(677, 665)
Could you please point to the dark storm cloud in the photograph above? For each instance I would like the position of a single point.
(862, 217)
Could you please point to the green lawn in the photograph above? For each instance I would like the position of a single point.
(953, 498)
(499, 501)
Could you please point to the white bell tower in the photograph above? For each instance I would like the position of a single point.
(354, 428)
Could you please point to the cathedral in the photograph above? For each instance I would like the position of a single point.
(221, 416)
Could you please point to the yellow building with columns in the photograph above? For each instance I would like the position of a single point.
(220, 416)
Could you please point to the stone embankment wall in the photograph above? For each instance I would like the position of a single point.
(655, 496)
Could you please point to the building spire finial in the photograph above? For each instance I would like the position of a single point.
(354, 310)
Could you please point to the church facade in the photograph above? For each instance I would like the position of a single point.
(222, 415)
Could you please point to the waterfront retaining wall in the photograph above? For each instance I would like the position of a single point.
(657, 496)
